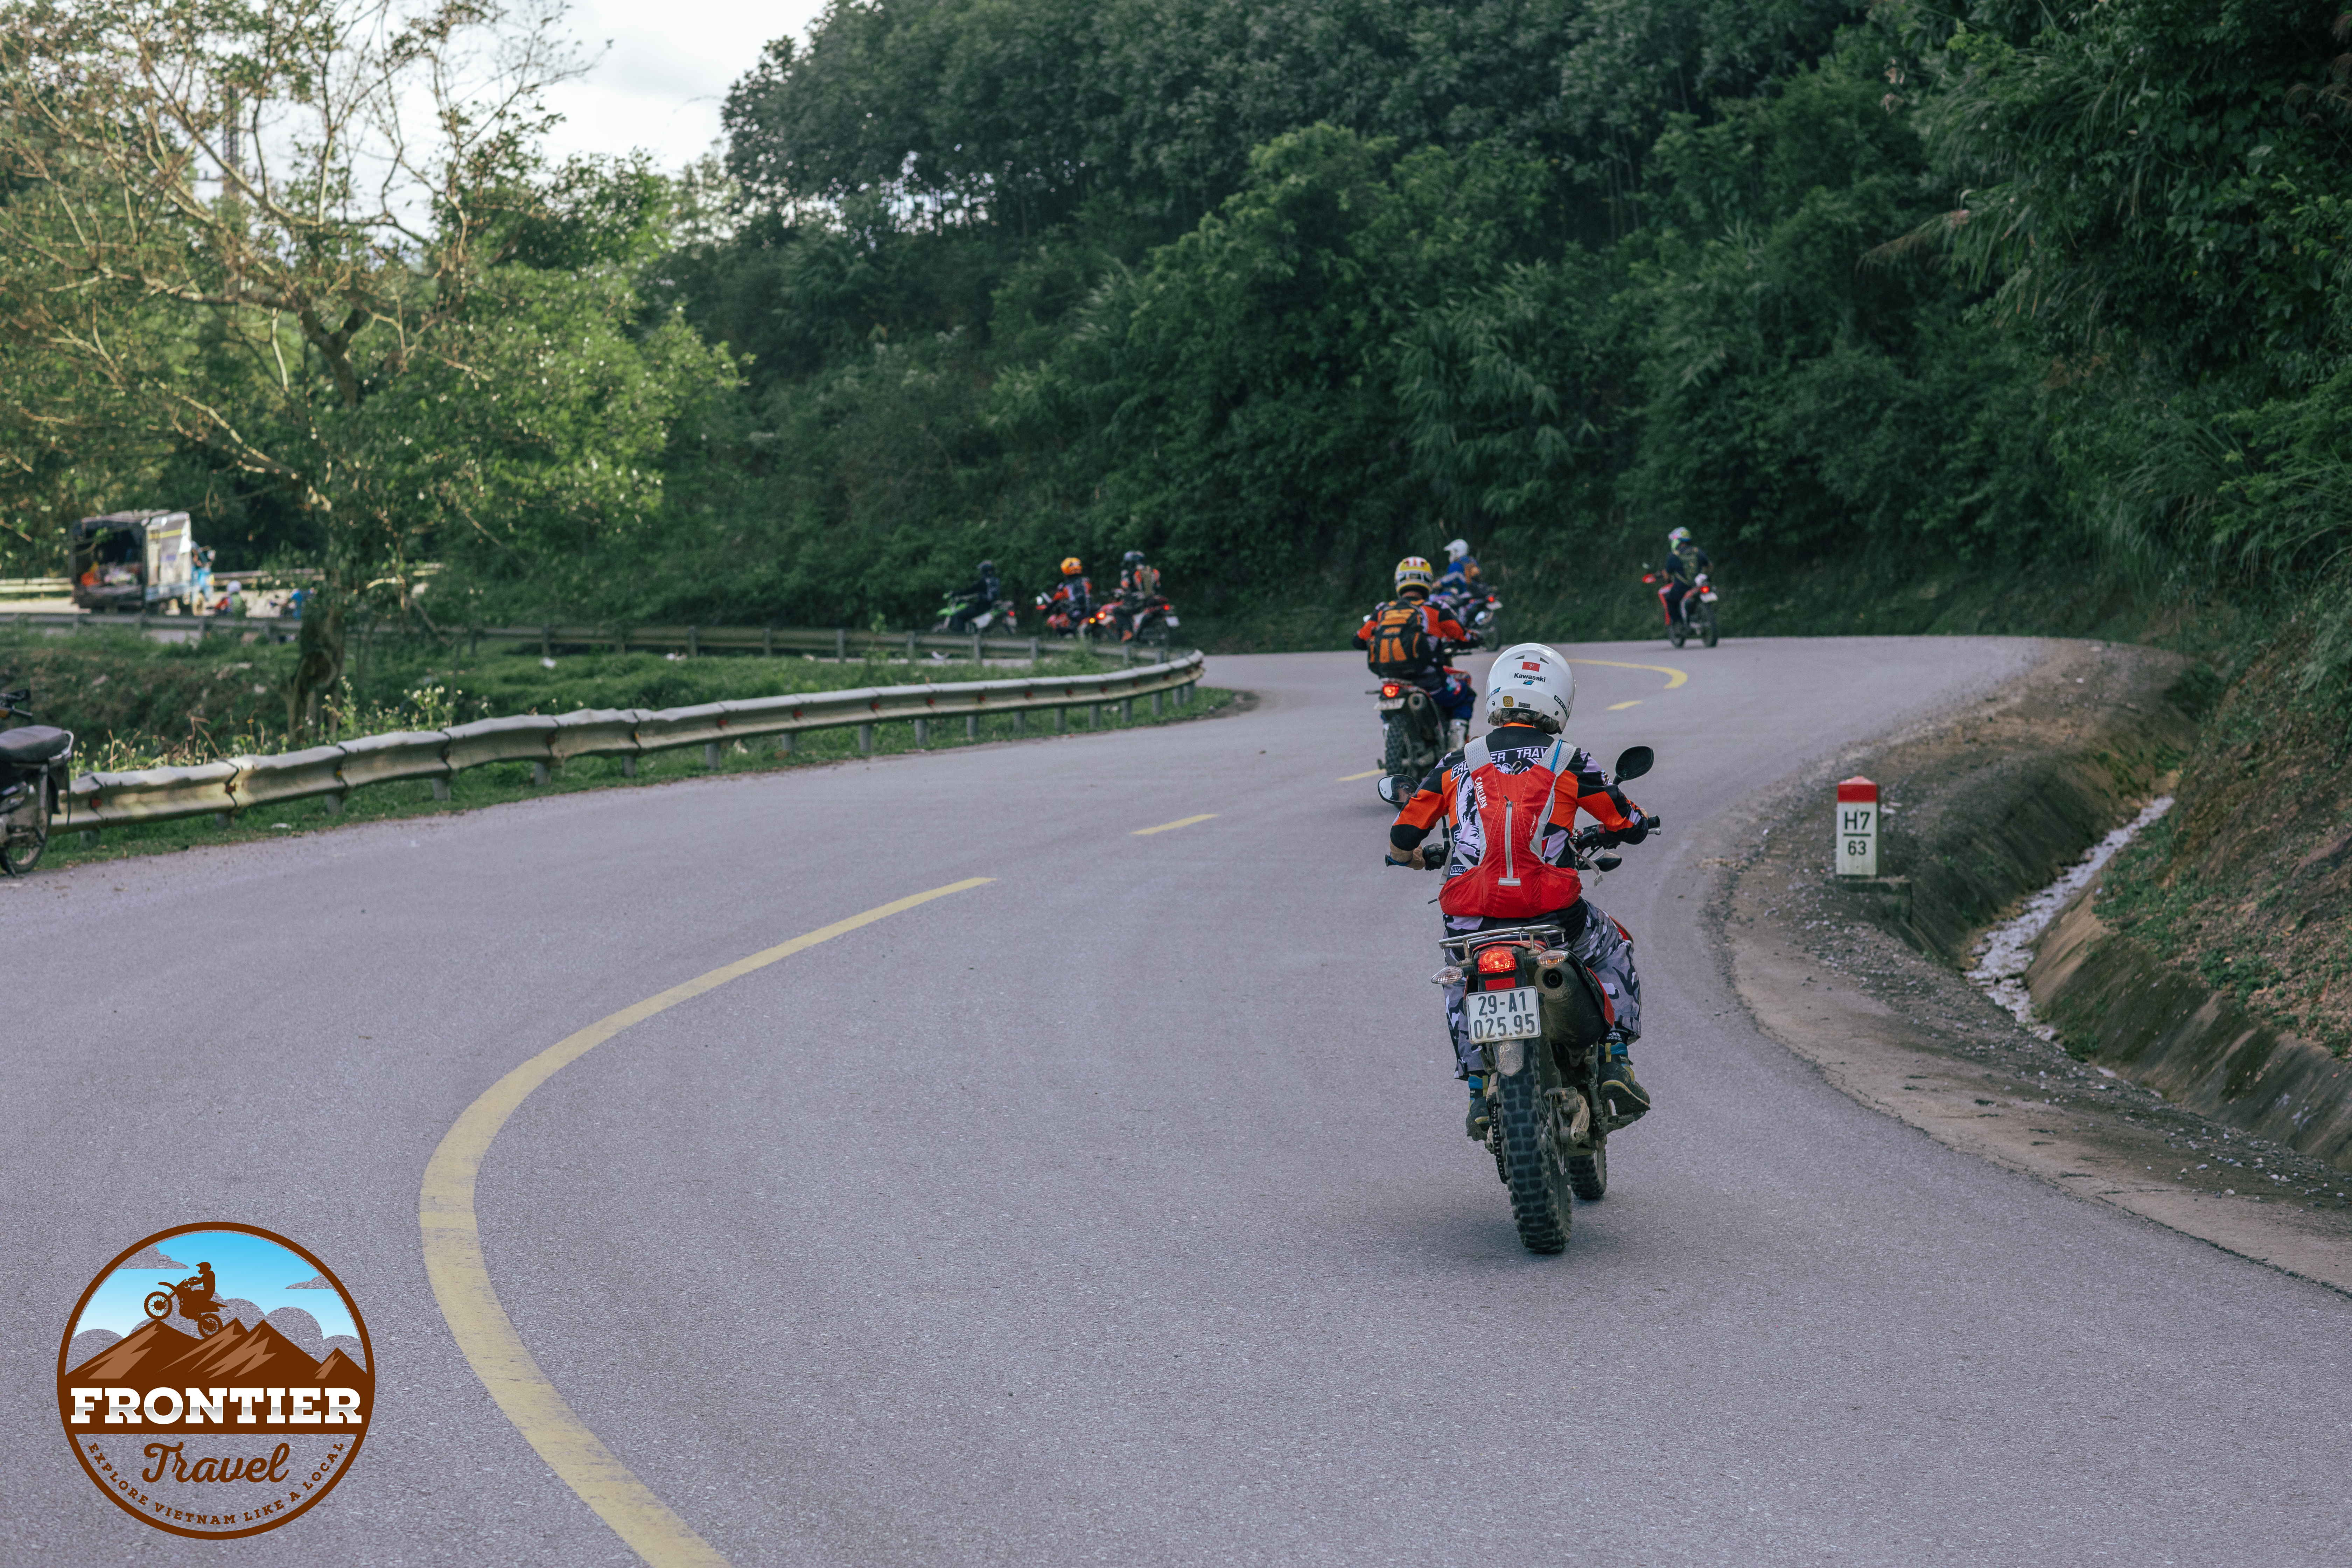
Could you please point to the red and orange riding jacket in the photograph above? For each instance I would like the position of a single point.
(1510, 802)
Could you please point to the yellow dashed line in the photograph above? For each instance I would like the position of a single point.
(1620, 707)
(461, 1281)
(1180, 822)
(1366, 774)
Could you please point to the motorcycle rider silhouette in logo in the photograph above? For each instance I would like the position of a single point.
(195, 1297)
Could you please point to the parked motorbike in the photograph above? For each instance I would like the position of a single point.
(1541, 1020)
(1415, 733)
(32, 763)
(1697, 609)
(959, 616)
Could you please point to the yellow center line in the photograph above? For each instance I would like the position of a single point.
(1675, 676)
(1180, 822)
(1620, 707)
(1366, 774)
(461, 1281)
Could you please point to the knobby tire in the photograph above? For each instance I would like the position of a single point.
(1531, 1160)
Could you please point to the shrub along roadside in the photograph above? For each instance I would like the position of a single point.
(500, 782)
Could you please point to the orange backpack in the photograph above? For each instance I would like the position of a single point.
(1512, 880)
(1399, 641)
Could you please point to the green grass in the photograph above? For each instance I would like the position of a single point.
(133, 702)
(498, 783)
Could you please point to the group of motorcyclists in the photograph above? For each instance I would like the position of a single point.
(1071, 607)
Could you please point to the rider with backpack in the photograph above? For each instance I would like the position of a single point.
(1407, 639)
(1511, 799)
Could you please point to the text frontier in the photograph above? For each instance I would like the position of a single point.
(286, 1406)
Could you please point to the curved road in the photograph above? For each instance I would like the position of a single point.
(1118, 1210)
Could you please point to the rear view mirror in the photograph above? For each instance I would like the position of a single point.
(1633, 761)
(1388, 788)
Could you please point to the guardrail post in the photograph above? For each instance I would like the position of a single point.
(1032, 650)
(220, 820)
(546, 639)
(1127, 711)
(768, 640)
(841, 645)
(1094, 715)
(710, 755)
(865, 738)
(975, 649)
(693, 641)
(334, 805)
(911, 647)
(1020, 720)
(972, 726)
(922, 733)
(785, 744)
(628, 766)
(1155, 705)
(1061, 720)
(440, 789)
(539, 775)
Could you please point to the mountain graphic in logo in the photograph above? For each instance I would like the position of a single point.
(157, 1355)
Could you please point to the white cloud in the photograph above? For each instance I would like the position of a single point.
(659, 84)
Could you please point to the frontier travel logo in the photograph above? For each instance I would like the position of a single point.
(215, 1381)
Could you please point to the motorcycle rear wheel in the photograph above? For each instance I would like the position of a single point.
(1531, 1163)
(1675, 634)
(1707, 631)
(1588, 1175)
(1395, 754)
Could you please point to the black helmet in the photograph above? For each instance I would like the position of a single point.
(1132, 558)
(988, 565)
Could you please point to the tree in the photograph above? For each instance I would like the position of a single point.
(295, 237)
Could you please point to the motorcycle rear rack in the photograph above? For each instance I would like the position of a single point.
(1457, 948)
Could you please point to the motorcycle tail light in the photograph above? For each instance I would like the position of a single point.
(1390, 688)
(1500, 959)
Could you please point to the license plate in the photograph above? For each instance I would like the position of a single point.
(1388, 703)
(1174, 622)
(1504, 1015)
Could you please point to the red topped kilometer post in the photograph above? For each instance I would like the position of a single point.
(1857, 827)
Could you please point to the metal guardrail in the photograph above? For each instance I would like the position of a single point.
(839, 642)
(240, 783)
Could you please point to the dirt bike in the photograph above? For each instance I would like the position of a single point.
(1415, 733)
(1053, 610)
(33, 764)
(1476, 609)
(1697, 608)
(959, 616)
(159, 1307)
(1146, 621)
(1541, 1020)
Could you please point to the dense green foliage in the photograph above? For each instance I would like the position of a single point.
(1281, 292)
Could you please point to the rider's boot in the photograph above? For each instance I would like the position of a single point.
(1622, 1093)
(1474, 1124)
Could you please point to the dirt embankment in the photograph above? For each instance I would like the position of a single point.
(1984, 804)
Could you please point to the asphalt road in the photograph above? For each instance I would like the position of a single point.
(1118, 1210)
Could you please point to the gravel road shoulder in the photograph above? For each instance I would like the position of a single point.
(1903, 1031)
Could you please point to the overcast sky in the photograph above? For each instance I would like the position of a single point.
(658, 87)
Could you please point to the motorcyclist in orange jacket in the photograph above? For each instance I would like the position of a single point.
(1491, 879)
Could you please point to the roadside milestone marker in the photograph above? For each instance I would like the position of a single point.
(1857, 827)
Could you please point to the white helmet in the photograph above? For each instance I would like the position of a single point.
(1457, 550)
(1531, 684)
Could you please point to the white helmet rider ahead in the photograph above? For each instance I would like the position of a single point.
(1457, 550)
(1531, 684)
